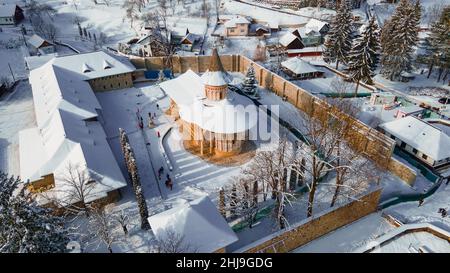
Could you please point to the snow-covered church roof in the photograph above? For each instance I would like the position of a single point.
(200, 224)
(421, 136)
(233, 114)
(67, 131)
(216, 74)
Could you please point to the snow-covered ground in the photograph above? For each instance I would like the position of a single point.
(12, 53)
(272, 17)
(16, 113)
(349, 237)
(410, 212)
(328, 84)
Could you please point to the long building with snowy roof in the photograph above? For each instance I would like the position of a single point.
(69, 137)
(210, 116)
(426, 142)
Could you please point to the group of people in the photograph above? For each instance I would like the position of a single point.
(168, 183)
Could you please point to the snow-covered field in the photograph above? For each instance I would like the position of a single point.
(272, 17)
(16, 113)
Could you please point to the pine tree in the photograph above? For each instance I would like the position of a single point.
(133, 173)
(339, 39)
(25, 227)
(249, 85)
(438, 43)
(135, 180)
(85, 32)
(364, 55)
(398, 39)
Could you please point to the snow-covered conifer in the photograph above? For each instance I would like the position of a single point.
(364, 55)
(25, 227)
(339, 39)
(399, 38)
(249, 85)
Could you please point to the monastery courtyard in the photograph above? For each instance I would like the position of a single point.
(193, 177)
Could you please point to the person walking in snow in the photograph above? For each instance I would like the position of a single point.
(420, 202)
(141, 123)
(157, 106)
(169, 183)
(159, 135)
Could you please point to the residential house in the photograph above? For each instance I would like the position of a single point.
(259, 30)
(309, 37)
(311, 51)
(41, 46)
(10, 14)
(300, 69)
(237, 26)
(188, 42)
(177, 34)
(148, 46)
(290, 42)
(317, 25)
(424, 141)
(412, 110)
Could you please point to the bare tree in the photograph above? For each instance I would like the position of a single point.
(123, 219)
(75, 189)
(173, 242)
(131, 11)
(260, 53)
(243, 199)
(270, 168)
(100, 227)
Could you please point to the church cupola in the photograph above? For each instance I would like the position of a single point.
(215, 78)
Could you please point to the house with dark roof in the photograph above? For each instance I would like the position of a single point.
(10, 14)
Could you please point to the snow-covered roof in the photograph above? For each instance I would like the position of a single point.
(190, 37)
(299, 66)
(200, 224)
(93, 61)
(224, 116)
(287, 39)
(319, 48)
(37, 41)
(315, 24)
(7, 10)
(236, 20)
(67, 131)
(216, 74)
(179, 31)
(421, 136)
(307, 31)
(34, 62)
(410, 109)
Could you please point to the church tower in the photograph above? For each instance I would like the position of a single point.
(215, 79)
